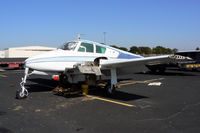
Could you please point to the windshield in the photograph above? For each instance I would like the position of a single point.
(68, 46)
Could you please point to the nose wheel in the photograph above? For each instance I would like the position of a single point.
(21, 94)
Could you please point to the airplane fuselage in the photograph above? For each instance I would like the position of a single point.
(65, 58)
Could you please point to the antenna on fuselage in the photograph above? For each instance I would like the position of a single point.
(79, 36)
(104, 38)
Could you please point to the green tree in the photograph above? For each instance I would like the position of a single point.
(163, 50)
(123, 48)
(148, 50)
(158, 50)
(114, 46)
(144, 50)
(168, 51)
(134, 50)
(197, 48)
(175, 50)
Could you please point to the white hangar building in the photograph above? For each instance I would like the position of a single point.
(24, 52)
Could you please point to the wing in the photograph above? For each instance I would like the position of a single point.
(139, 63)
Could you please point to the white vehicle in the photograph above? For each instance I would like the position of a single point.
(75, 55)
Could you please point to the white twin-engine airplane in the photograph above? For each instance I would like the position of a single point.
(86, 58)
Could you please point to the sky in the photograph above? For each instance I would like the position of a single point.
(168, 23)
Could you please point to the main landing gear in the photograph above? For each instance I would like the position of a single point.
(111, 89)
(68, 86)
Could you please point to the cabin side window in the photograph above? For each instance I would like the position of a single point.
(100, 49)
(86, 47)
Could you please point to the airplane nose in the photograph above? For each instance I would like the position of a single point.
(32, 63)
(40, 56)
(37, 61)
(27, 63)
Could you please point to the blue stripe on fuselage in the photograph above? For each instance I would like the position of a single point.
(62, 59)
(127, 56)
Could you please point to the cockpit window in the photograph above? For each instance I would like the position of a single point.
(86, 47)
(69, 46)
(100, 49)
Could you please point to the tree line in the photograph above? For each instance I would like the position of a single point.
(148, 50)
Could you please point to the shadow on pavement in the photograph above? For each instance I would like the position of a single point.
(43, 85)
(118, 95)
(5, 130)
(38, 88)
(174, 73)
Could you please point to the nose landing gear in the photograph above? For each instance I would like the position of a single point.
(23, 92)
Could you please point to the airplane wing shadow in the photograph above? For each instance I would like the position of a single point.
(168, 73)
(118, 95)
(43, 85)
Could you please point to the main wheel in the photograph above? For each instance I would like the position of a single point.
(110, 91)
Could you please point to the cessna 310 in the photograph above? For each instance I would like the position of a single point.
(86, 58)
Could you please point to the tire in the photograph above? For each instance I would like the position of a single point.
(19, 94)
(108, 90)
